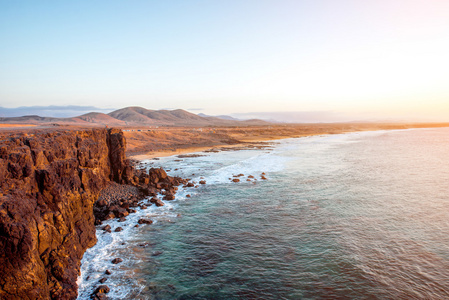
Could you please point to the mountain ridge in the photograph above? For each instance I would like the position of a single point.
(133, 116)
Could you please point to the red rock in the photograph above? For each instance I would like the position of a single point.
(235, 180)
(49, 187)
(157, 175)
(202, 182)
(102, 202)
(159, 203)
(169, 197)
(117, 260)
(102, 289)
(121, 212)
(145, 221)
(109, 216)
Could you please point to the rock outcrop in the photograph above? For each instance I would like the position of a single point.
(49, 182)
(118, 201)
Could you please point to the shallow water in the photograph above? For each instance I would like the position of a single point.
(352, 216)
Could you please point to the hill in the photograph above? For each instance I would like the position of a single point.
(100, 118)
(134, 116)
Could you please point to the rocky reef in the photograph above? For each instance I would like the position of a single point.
(49, 183)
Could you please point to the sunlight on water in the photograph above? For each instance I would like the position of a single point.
(355, 216)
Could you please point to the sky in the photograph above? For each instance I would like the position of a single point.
(332, 59)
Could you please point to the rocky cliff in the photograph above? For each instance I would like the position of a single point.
(49, 181)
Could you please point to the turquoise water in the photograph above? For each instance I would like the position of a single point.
(353, 216)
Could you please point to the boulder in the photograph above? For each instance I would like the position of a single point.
(157, 175)
(99, 293)
(157, 201)
(117, 260)
(102, 289)
(145, 221)
(169, 197)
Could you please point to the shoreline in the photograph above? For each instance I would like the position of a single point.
(158, 214)
(246, 143)
(231, 139)
(203, 149)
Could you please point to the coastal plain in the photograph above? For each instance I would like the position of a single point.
(150, 142)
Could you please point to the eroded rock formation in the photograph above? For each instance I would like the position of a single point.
(49, 182)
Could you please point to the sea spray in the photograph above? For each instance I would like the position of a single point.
(360, 215)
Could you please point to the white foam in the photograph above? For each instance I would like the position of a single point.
(215, 168)
(98, 259)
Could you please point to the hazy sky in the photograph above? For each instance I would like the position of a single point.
(365, 58)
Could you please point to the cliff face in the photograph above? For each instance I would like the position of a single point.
(49, 182)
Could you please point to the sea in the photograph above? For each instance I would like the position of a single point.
(361, 215)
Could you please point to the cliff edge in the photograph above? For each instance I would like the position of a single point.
(49, 181)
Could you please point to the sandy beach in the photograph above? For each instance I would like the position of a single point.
(147, 143)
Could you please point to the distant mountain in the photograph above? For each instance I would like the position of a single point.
(138, 115)
(100, 118)
(224, 117)
(55, 111)
(134, 116)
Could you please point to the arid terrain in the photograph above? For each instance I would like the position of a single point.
(151, 133)
(152, 141)
(149, 142)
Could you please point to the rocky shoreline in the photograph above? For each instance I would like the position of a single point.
(119, 200)
(55, 186)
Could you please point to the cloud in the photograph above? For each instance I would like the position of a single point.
(51, 111)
